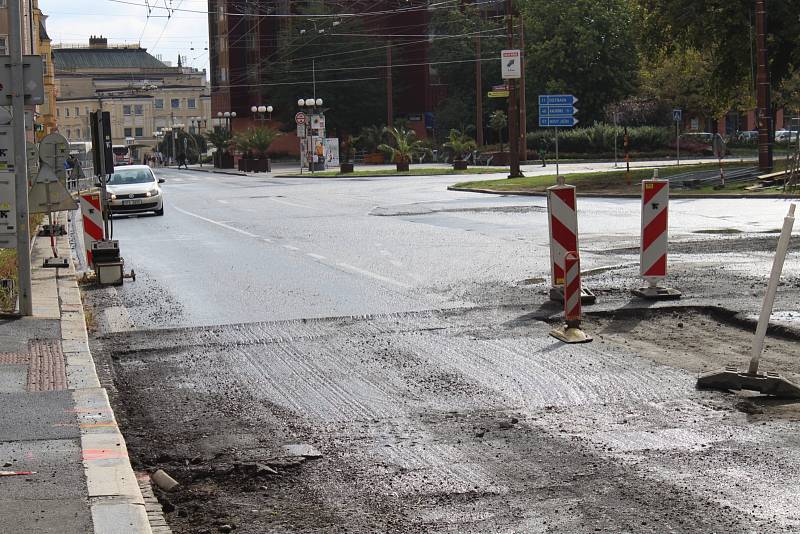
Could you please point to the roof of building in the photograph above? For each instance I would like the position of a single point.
(105, 58)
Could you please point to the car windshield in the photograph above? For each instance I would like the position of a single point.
(127, 177)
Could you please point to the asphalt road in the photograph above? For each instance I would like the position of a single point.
(395, 326)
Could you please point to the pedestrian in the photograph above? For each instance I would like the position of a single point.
(543, 151)
(182, 161)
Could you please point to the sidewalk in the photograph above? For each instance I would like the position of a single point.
(58, 438)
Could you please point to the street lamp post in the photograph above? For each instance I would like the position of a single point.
(259, 111)
(314, 107)
(227, 115)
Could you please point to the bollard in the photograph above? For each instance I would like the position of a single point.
(767, 383)
(655, 238)
(571, 332)
(562, 218)
(92, 223)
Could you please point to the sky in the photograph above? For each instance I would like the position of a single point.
(183, 33)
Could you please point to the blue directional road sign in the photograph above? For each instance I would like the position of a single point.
(557, 100)
(567, 122)
(557, 110)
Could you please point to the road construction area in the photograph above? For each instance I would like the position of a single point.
(373, 355)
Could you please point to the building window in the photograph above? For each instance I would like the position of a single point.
(176, 103)
(66, 112)
(223, 74)
(44, 61)
(3, 41)
(126, 110)
(69, 134)
(138, 109)
(191, 103)
(159, 103)
(2, 3)
(77, 111)
(139, 132)
(128, 132)
(87, 111)
(58, 112)
(78, 133)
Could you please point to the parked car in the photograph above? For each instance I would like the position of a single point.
(697, 137)
(785, 136)
(135, 189)
(749, 136)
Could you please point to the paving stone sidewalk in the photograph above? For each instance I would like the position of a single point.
(64, 463)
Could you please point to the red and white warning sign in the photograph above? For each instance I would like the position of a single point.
(300, 118)
(563, 222)
(92, 213)
(655, 238)
(655, 228)
(572, 288)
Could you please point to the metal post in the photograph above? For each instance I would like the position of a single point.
(772, 288)
(615, 139)
(523, 116)
(389, 88)
(678, 141)
(20, 158)
(559, 178)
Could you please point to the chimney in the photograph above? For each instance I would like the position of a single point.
(98, 42)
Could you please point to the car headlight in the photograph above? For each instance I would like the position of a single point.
(112, 196)
(152, 193)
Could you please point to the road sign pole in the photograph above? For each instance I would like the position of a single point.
(559, 178)
(20, 158)
(678, 141)
(513, 108)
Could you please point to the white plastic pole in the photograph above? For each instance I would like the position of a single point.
(772, 289)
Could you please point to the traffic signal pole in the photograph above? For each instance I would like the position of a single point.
(20, 158)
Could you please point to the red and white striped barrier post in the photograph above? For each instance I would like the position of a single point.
(655, 238)
(562, 218)
(572, 333)
(92, 213)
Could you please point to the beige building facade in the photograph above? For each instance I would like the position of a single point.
(142, 94)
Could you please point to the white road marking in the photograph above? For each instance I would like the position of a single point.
(315, 256)
(266, 240)
(290, 247)
(222, 201)
(373, 275)
(279, 201)
(221, 224)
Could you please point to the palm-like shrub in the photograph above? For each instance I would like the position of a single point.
(255, 142)
(459, 143)
(404, 147)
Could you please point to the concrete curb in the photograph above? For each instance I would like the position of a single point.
(607, 195)
(115, 498)
(217, 171)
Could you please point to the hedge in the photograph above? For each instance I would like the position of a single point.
(600, 138)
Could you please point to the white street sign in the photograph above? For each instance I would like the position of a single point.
(33, 82)
(8, 206)
(510, 64)
(301, 130)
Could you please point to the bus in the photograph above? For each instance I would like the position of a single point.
(122, 155)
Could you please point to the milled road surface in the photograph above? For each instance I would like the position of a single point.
(396, 327)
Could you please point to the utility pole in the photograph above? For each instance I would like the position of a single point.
(20, 158)
(523, 116)
(478, 92)
(513, 111)
(389, 89)
(763, 104)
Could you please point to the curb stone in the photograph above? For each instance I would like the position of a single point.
(115, 499)
(610, 195)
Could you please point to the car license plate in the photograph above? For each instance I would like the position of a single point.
(131, 202)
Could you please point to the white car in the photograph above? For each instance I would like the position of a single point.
(785, 136)
(135, 189)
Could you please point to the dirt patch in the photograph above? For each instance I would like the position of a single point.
(699, 341)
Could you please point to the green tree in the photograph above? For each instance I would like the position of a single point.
(458, 144)
(498, 122)
(255, 141)
(584, 47)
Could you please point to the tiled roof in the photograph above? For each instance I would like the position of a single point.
(105, 58)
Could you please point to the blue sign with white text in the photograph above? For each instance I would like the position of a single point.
(565, 121)
(557, 110)
(557, 100)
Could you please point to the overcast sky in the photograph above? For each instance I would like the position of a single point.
(76, 20)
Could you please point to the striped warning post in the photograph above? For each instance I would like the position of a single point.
(571, 332)
(92, 213)
(655, 237)
(562, 217)
(572, 288)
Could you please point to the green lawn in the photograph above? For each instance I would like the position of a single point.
(422, 171)
(612, 182)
